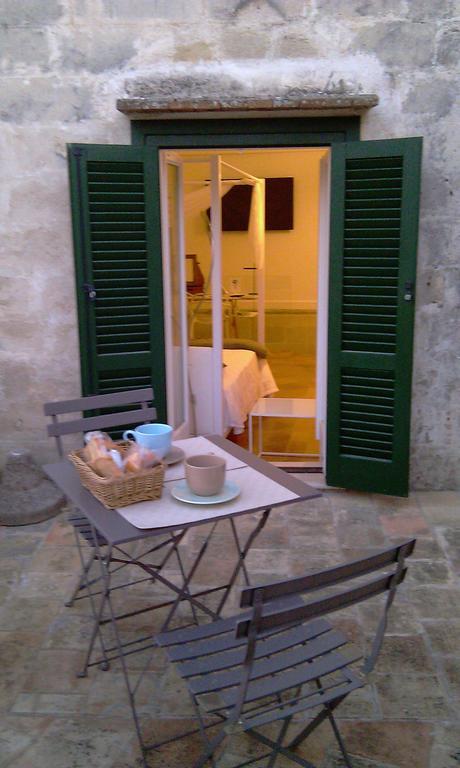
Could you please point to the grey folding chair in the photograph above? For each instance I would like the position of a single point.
(282, 657)
(112, 410)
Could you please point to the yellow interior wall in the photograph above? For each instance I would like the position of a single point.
(291, 256)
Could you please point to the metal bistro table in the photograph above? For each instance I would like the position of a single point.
(262, 486)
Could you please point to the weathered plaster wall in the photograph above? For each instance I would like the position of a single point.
(63, 64)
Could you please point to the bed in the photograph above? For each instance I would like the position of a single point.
(245, 378)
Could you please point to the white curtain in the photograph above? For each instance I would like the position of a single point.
(257, 236)
(198, 198)
(257, 223)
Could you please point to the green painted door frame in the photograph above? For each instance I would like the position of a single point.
(155, 135)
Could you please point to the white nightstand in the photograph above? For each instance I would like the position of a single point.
(283, 408)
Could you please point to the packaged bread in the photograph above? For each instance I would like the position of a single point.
(106, 467)
(98, 446)
(139, 458)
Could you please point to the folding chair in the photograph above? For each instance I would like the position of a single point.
(280, 659)
(112, 410)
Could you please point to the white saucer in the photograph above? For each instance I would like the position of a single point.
(182, 492)
(175, 454)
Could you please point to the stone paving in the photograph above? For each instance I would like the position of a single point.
(408, 717)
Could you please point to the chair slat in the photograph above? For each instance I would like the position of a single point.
(222, 642)
(110, 400)
(105, 421)
(316, 699)
(327, 577)
(322, 606)
(272, 644)
(218, 636)
(271, 686)
(192, 634)
(301, 654)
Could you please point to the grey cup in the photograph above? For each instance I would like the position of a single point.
(205, 474)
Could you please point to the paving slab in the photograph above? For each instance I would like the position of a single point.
(407, 717)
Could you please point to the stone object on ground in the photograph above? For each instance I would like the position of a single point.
(26, 495)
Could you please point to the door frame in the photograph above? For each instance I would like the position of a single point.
(234, 133)
(183, 429)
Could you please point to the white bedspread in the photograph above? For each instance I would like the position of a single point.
(245, 379)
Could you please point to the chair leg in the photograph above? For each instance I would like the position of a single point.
(80, 585)
(340, 741)
(305, 732)
(83, 573)
(203, 730)
(278, 749)
(96, 631)
(208, 752)
(281, 735)
(325, 713)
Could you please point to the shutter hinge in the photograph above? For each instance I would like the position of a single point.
(90, 291)
(408, 291)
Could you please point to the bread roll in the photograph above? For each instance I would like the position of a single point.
(133, 463)
(140, 458)
(106, 467)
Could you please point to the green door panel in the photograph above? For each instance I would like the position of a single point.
(116, 224)
(374, 226)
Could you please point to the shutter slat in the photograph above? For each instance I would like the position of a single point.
(376, 425)
(369, 203)
(385, 262)
(375, 252)
(379, 196)
(368, 410)
(370, 163)
(98, 218)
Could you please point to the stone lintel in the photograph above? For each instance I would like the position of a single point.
(316, 105)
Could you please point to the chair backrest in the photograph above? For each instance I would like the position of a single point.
(114, 400)
(266, 617)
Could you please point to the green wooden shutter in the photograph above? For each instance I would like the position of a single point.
(115, 213)
(374, 224)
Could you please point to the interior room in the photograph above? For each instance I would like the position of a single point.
(269, 282)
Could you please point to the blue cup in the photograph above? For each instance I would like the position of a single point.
(156, 437)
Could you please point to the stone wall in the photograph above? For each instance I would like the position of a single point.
(65, 62)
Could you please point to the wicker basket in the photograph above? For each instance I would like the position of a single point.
(120, 491)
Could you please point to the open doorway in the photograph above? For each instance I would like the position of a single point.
(288, 296)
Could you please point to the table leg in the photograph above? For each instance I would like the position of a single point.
(84, 574)
(97, 614)
(241, 557)
(187, 579)
(121, 558)
(105, 576)
(238, 546)
(250, 435)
